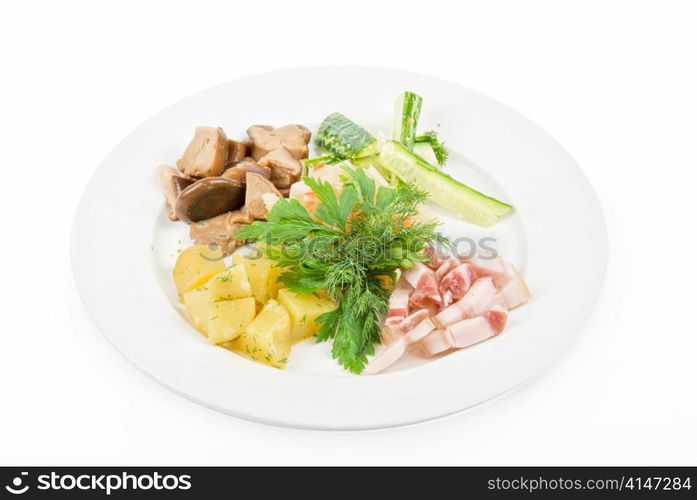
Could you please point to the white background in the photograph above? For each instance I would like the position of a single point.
(614, 82)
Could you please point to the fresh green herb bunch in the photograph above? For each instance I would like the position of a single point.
(351, 248)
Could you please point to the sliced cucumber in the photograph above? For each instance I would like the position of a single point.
(343, 138)
(462, 200)
(438, 147)
(406, 117)
(425, 151)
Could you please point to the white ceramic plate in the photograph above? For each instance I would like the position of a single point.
(123, 250)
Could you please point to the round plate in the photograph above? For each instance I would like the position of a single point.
(124, 247)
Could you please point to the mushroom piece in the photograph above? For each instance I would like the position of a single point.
(207, 198)
(172, 183)
(206, 153)
(269, 200)
(241, 216)
(257, 186)
(239, 171)
(220, 230)
(285, 169)
(266, 139)
(302, 130)
(236, 151)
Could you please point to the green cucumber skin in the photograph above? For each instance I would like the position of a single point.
(425, 151)
(343, 138)
(437, 147)
(407, 112)
(467, 203)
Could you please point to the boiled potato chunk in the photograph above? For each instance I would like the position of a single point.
(267, 338)
(197, 302)
(232, 283)
(274, 284)
(262, 273)
(304, 310)
(227, 318)
(195, 266)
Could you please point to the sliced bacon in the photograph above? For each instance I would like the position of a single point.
(471, 331)
(498, 301)
(420, 331)
(390, 354)
(436, 342)
(455, 284)
(465, 333)
(386, 356)
(412, 320)
(446, 304)
(497, 317)
(434, 259)
(474, 303)
(425, 286)
(389, 335)
(398, 305)
(497, 269)
(515, 292)
(446, 267)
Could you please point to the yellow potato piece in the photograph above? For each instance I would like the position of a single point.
(227, 318)
(197, 302)
(274, 284)
(195, 266)
(267, 338)
(304, 310)
(232, 283)
(262, 274)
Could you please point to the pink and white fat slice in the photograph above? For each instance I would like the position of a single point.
(390, 354)
(515, 292)
(386, 356)
(436, 342)
(435, 259)
(398, 304)
(495, 268)
(471, 331)
(446, 267)
(425, 284)
(475, 302)
(455, 283)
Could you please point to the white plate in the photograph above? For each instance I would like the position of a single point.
(123, 249)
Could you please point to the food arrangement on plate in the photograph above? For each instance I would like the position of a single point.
(341, 247)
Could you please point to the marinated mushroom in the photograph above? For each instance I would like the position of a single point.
(209, 197)
(295, 128)
(206, 153)
(285, 169)
(241, 216)
(236, 151)
(172, 183)
(239, 171)
(266, 139)
(269, 200)
(220, 230)
(257, 186)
